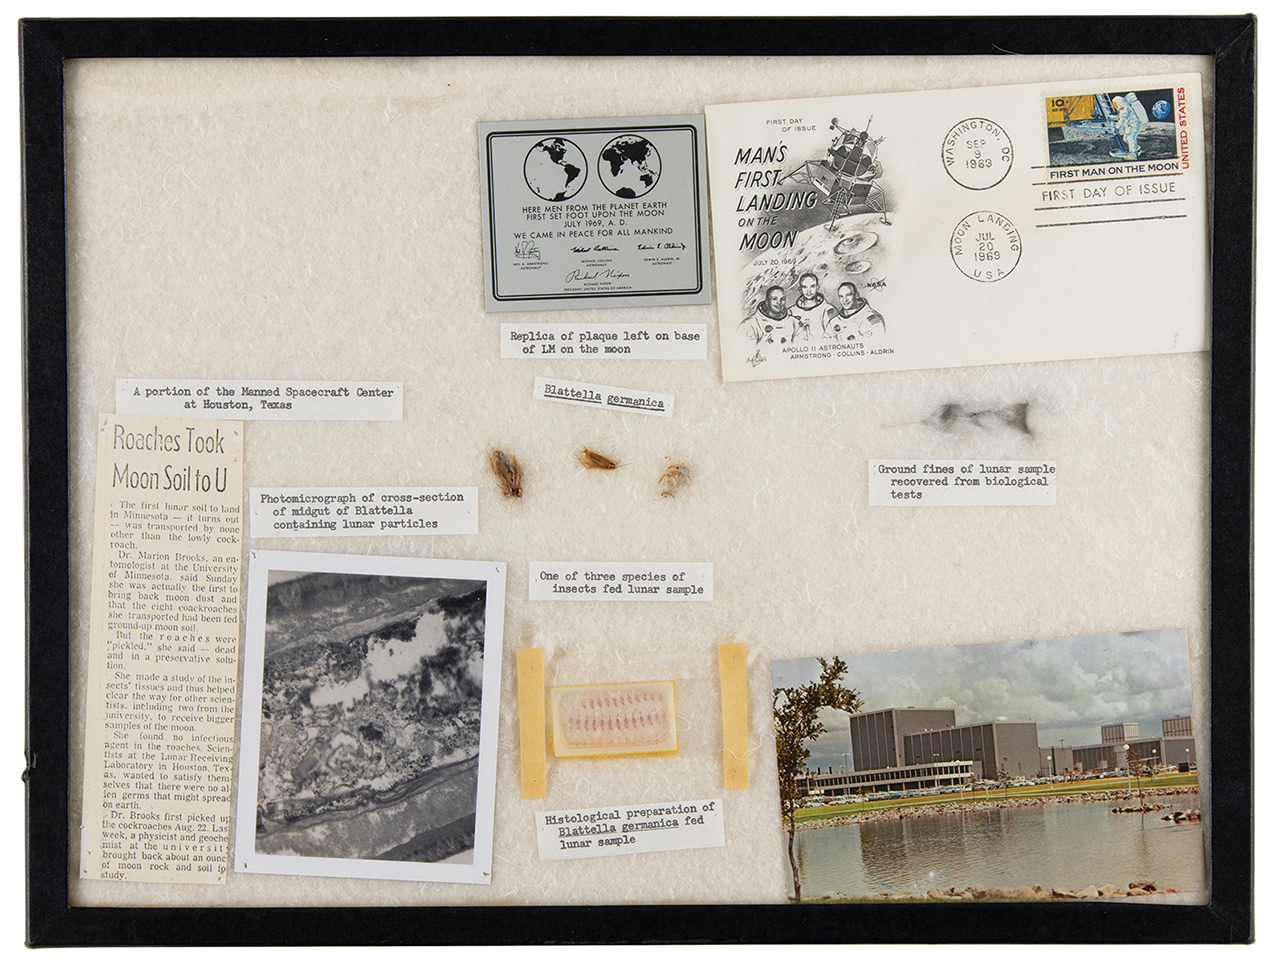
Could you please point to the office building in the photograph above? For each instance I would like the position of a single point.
(1119, 733)
(877, 736)
(1057, 760)
(1152, 751)
(996, 747)
(909, 748)
(904, 778)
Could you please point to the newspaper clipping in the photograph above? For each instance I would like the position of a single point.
(163, 650)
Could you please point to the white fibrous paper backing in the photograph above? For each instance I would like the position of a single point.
(320, 219)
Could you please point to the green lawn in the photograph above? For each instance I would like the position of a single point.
(1011, 793)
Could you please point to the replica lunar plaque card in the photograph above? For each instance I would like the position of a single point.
(932, 229)
(372, 750)
(594, 213)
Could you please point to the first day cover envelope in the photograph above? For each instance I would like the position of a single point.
(931, 229)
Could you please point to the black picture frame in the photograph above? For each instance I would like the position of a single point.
(51, 921)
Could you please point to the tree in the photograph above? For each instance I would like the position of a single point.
(796, 724)
(1136, 770)
(1002, 777)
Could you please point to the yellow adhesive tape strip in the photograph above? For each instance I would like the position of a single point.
(733, 710)
(533, 723)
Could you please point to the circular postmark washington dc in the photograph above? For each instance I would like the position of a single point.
(985, 246)
(977, 153)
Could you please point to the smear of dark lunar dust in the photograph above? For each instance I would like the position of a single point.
(951, 416)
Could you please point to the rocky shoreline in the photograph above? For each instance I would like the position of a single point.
(1138, 888)
(981, 804)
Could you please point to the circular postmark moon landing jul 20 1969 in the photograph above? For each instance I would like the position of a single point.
(977, 153)
(985, 246)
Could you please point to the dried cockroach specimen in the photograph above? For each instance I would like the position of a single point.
(676, 476)
(594, 460)
(507, 469)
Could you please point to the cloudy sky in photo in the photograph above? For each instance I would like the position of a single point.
(1069, 686)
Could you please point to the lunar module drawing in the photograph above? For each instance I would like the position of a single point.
(847, 178)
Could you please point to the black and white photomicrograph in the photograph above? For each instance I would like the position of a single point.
(369, 717)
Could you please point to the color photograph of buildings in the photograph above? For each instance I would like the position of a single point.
(1008, 744)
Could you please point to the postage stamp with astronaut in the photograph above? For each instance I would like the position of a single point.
(929, 229)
